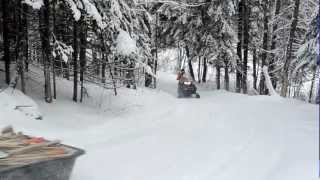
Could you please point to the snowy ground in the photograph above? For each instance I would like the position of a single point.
(150, 134)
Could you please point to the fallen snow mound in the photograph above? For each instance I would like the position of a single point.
(15, 103)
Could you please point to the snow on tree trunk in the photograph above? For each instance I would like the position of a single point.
(268, 82)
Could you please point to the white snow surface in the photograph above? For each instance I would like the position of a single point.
(151, 135)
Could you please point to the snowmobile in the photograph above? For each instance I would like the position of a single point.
(187, 89)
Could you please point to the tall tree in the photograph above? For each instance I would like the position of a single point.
(266, 6)
(45, 36)
(205, 70)
(226, 75)
(289, 51)
(273, 44)
(83, 50)
(75, 61)
(218, 76)
(254, 61)
(20, 44)
(190, 67)
(239, 46)
(246, 37)
(6, 41)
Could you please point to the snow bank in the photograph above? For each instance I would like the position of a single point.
(16, 103)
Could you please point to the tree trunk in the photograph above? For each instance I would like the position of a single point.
(178, 66)
(205, 69)
(155, 69)
(103, 68)
(25, 47)
(75, 61)
(285, 74)
(273, 46)
(190, 64)
(95, 61)
(67, 66)
(218, 68)
(226, 76)
(54, 58)
(312, 84)
(45, 36)
(262, 86)
(245, 46)
(254, 59)
(6, 41)
(109, 66)
(199, 69)
(156, 51)
(26, 37)
(239, 48)
(20, 45)
(83, 50)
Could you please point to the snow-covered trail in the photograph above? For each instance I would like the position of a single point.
(235, 137)
(148, 134)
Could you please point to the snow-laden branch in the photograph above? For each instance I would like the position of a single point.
(85, 5)
(62, 50)
(73, 6)
(147, 68)
(91, 9)
(178, 4)
(35, 4)
(126, 46)
(76, 7)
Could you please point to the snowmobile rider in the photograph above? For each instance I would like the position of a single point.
(181, 76)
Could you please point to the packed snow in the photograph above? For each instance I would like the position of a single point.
(150, 134)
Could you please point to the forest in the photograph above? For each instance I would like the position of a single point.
(79, 40)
